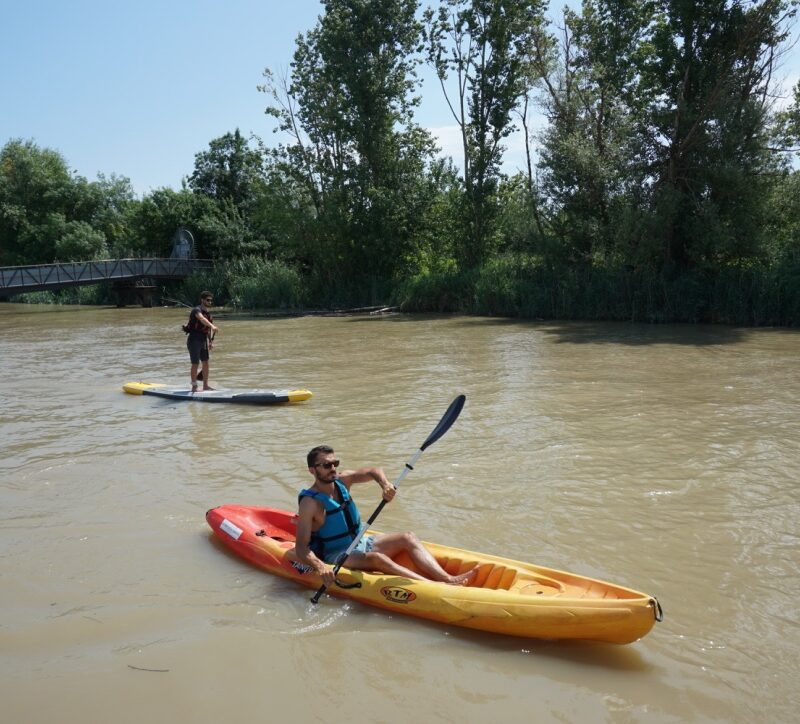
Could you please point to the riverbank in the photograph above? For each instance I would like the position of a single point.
(511, 286)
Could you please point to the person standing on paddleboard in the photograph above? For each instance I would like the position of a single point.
(329, 521)
(201, 330)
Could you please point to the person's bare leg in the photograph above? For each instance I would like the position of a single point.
(391, 544)
(380, 562)
(193, 376)
(206, 386)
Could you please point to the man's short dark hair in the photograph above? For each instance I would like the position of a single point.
(205, 295)
(311, 458)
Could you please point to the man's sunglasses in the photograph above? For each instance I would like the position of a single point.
(329, 465)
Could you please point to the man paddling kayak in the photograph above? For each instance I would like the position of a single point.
(329, 521)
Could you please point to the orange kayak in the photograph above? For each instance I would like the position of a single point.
(506, 597)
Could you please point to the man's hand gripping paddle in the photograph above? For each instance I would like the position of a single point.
(444, 425)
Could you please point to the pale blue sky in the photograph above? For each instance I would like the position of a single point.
(137, 88)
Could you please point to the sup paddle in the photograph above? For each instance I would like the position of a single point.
(444, 425)
(176, 301)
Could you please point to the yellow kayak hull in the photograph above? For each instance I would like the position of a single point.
(506, 597)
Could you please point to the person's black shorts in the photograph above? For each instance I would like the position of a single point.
(198, 348)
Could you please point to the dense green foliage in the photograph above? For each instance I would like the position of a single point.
(486, 47)
(46, 213)
(659, 188)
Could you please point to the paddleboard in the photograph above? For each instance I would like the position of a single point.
(243, 397)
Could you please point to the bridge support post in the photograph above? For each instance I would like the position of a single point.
(129, 294)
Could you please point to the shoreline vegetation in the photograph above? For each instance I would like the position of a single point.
(752, 296)
(660, 185)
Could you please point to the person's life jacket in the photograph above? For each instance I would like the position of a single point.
(194, 324)
(341, 525)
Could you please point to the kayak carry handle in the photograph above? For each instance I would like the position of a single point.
(658, 612)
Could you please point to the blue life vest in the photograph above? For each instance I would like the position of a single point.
(341, 524)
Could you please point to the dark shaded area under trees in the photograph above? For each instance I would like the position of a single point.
(660, 188)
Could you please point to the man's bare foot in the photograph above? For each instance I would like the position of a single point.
(194, 388)
(464, 579)
(206, 388)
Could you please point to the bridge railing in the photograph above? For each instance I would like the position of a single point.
(20, 279)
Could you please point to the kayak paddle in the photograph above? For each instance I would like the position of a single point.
(444, 425)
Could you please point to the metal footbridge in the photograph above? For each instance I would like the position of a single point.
(126, 272)
(130, 277)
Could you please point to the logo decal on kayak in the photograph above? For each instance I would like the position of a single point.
(301, 568)
(395, 594)
(232, 530)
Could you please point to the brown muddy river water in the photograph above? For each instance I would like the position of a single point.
(663, 458)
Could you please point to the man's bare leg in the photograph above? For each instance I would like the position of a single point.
(206, 386)
(391, 544)
(380, 562)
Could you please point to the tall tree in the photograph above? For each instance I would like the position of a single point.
(483, 46)
(45, 211)
(160, 213)
(588, 81)
(108, 204)
(658, 144)
(709, 77)
(355, 153)
(229, 170)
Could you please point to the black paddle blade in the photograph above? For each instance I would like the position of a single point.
(446, 422)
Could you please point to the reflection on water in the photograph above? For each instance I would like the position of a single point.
(662, 458)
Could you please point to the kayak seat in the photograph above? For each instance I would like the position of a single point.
(508, 578)
(490, 575)
(496, 577)
(530, 585)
